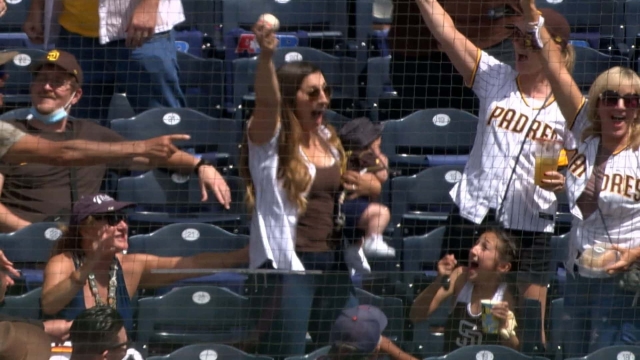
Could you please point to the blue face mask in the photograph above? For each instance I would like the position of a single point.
(55, 116)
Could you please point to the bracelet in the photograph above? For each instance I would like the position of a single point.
(201, 163)
(533, 40)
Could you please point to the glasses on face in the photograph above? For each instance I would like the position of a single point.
(612, 98)
(119, 350)
(314, 93)
(111, 219)
(55, 82)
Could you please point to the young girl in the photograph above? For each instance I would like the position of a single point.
(489, 260)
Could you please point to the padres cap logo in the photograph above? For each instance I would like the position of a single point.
(53, 55)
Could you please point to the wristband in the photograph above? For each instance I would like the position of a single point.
(201, 163)
(533, 40)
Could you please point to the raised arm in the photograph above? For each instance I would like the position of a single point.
(462, 52)
(266, 114)
(28, 148)
(565, 89)
(62, 282)
(435, 294)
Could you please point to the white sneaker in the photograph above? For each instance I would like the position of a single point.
(376, 247)
(356, 261)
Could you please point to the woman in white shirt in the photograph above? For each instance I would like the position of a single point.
(295, 165)
(603, 188)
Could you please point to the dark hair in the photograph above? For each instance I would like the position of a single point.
(71, 240)
(95, 330)
(507, 249)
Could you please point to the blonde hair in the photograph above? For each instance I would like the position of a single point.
(611, 79)
(292, 167)
(569, 53)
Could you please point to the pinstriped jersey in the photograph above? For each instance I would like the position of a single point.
(619, 198)
(508, 121)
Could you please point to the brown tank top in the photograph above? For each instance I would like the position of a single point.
(314, 232)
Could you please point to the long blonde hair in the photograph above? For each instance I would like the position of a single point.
(292, 167)
(611, 80)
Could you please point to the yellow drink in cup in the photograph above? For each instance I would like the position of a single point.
(490, 325)
(547, 154)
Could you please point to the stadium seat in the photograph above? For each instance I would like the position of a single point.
(426, 341)
(378, 83)
(119, 107)
(311, 356)
(485, 352)
(202, 81)
(421, 203)
(530, 326)
(429, 138)
(559, 254)
(26, 306)
(596, 21)
(164, 199)
(31, 246)
(556, 329)
(21, 113)
(205, 16)
(590, 63)
(191, 315)
(215, 138)
(392, 307)
(418, 251)
(209, 352)
(15, 16)
(16, 88)
(613, 352)
(186, 239)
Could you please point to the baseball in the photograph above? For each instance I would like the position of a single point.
(271, 20)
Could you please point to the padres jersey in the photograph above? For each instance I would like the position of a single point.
(619, 198)
(507, 119)
(465, 328)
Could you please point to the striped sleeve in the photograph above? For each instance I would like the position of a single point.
(489, 76)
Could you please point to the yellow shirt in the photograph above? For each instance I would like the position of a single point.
(81, 17)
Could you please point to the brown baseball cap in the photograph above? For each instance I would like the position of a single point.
(557, 26)
(63, 60)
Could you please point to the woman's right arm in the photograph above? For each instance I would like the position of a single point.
(462, 52)
(565, 90)
(62, 282)
(433, 296)
(266, 114)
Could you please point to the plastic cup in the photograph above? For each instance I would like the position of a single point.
(547, 154)
(594, 260)
(490, 324)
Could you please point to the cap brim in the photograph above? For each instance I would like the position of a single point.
(114, 206)
(7, 56)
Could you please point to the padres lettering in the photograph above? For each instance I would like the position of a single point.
(578, 165)
(512, 120)
(620, 184)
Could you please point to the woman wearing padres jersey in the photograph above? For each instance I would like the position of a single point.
(516, 110)
(603, 188)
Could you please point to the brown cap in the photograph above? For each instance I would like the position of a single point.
(23, 341)
(61, 59)
(557, 26)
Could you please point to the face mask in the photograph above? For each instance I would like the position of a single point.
(55, 116)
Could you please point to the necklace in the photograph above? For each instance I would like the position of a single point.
(93, 285)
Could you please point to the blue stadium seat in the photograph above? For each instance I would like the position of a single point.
(21, 113)
(418, 251)
(203, 15)
(202, 81)
(590, 63)
(31, 246)
(596, 21)
(214, 138)
(485, 352)
(559, 254)
(191, 315)
(429, 138)
(530, 326)
(26, 306)
(421, 203)
(16, 89)
(119, 107)
(190, 41)
(164, 199)
(15, 16)
(556, 329)
(626, 352)
(378, 83)
(15, 40)
(209, 352)
(311, 356)
(186, 239)
(392, 307)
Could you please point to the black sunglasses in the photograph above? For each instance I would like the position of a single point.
(612, 98)
(314, 93)
(112, 219)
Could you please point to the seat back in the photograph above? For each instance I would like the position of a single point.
(209, 351)
(193, 314)
(17, 87)
(590, 63)
(186, 239)
(26, 306)
(311, 356)
(32, 244)
(202, 81)
(15, 114)
(420, 250)
(613, 352)
(392, 307)
(16, 15)
(485, 352)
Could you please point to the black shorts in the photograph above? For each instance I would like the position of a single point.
(531, 264)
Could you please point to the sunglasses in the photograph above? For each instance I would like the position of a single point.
(314, 93)
(112, 219)
(612, 98)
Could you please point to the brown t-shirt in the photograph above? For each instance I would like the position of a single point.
(314, 232)
(35, 192)
(410, 36)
